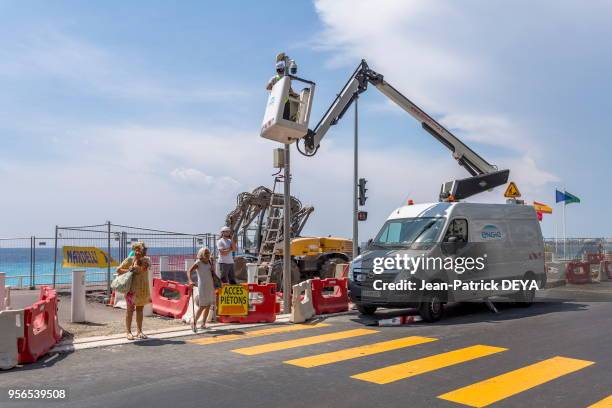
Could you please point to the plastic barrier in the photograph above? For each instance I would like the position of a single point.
(605, 270)
(174, 306)
(578, 272)
(594, 258)
(262, 305)
(40, 331)
(11, 330)
(301, 303)
(46, 293)
(342, 270)
(330, 295)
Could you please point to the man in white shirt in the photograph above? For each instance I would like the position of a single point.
(226, 245)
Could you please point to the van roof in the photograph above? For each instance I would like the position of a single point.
(472, 210)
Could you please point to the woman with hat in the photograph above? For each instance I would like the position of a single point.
(139, 294)
(204, 268)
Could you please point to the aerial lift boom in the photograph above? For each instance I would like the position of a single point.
(485, 176)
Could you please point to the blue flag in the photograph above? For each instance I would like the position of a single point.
(566, 197)
(559, 196)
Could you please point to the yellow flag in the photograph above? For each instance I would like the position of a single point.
(86, 257)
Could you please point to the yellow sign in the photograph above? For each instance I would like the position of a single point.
(543, 208)
(233, 300)
(86, 257)
(512, 191)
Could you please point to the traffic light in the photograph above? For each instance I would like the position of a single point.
(362, 191)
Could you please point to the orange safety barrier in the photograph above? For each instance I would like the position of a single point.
(330, 295)
(606, 268)
(41, 328)
(595, 258)
(262, 305)
(170, 298)
(578, 272)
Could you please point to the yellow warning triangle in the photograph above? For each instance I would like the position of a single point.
(512, 191)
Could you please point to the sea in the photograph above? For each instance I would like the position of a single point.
(23, 270)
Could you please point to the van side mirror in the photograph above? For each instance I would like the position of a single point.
(369, 242)
(450, 246)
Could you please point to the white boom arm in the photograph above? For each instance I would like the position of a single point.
(485, 175)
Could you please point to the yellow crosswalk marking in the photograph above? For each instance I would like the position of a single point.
(423, 365)
(256, 333)
(506, 385)
(604, 403)
(304, 341)
(361, 351)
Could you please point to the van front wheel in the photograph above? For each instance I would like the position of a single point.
(366, 309)
(432, 309)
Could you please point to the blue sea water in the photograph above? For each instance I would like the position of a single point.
(17, 262)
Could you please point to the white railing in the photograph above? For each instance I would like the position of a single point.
(59, 281)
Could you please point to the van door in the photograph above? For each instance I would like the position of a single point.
(456, 246)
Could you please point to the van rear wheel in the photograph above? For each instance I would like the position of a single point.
(432, 309)
(525, 297)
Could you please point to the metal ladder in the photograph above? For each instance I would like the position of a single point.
(274, 228)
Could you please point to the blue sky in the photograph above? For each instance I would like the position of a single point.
(147, 113)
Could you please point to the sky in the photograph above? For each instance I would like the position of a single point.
(147, 113)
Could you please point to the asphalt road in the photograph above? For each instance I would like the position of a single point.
(563, 352)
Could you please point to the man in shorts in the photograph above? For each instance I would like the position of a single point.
(226, 245)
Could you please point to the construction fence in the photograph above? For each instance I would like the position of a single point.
(575, 248)
(34, 261)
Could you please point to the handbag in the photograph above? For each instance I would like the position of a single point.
(122, 283)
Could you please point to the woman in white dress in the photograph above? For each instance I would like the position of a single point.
(204, 268)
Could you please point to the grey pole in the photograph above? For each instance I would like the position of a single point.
(355, 182)
(108, 263)
(55, 259)
(287, 235)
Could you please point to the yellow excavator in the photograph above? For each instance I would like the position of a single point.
(257, 222)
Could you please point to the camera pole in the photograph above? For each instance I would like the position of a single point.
(287, 235)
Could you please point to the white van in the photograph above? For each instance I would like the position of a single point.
(421, 257)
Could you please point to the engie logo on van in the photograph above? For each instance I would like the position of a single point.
(489, 232)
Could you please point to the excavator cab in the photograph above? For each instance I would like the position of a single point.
(287, 113)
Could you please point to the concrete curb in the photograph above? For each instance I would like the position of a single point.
(69, 346)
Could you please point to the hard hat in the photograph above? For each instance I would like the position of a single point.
(226, 229)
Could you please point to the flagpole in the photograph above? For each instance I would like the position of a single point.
(564, 233)
(556, 244)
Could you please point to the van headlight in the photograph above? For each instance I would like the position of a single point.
(350, 272)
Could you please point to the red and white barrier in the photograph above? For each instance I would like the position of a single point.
(11, 330)
(262, 305)
(41, 327)
(163, 305)
(330, 295)
(301, 303)
(578, 272)
(605, 268)
(594, 258)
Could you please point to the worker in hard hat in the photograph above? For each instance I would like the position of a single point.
(281, 70)
(226, 245)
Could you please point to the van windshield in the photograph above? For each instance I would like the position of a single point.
(414, 233)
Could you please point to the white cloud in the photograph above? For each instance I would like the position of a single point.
(197, 178)
(91, 69)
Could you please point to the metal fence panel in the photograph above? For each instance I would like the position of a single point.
(33, 261)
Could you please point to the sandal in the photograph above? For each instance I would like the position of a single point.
(142, 336)
(130, 336)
